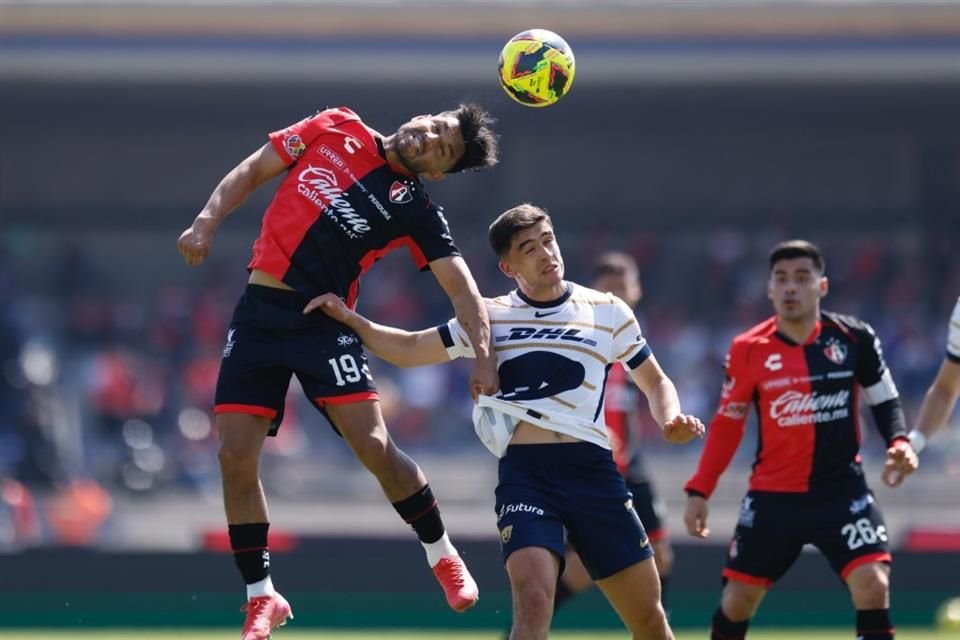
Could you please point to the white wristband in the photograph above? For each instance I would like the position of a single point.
(917, 439)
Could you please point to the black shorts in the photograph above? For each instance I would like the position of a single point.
(546, 490)
(650, 509)
(845, 524)
(270, 339)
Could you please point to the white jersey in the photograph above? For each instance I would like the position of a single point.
(553, 360)
(953, 334)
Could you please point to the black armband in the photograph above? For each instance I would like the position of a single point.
(891, 423)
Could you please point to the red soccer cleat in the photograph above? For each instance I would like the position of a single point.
(458, 585)
(263, 614)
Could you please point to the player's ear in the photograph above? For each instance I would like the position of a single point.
(770, 288)
(505, 268)
(824, 286)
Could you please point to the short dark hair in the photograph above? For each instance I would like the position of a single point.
(511, 222)
(615, 263)
(790, 249)
(479, 139)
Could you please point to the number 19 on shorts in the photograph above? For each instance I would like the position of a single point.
(346, 370)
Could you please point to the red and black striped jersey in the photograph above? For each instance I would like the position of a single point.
(806, 397)
(621, 408)
(341, 207)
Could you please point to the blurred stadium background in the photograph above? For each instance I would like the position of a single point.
(696, 135)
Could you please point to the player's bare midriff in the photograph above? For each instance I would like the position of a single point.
(527, 433)
(264, 279)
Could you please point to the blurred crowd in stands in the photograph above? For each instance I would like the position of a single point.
(107, 389)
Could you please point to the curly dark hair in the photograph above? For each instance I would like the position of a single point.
(479, 139)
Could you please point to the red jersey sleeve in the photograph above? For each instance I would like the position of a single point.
(727, 427)
(291, 142)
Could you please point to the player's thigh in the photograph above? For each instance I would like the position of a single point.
(599, 514)
(850, 530)
(634, 593)
(253, 381)
(769, 536)
(575, 575)
(528, 515)
(332, 369)
(360, 423)
(533, 573)
(241, 436)
(869, 586)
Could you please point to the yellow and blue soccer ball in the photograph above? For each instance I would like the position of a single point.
(536, 67)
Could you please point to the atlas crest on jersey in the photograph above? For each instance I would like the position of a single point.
(400, 193)
(835, 351)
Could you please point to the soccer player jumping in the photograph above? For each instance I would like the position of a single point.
(555, 342)
(801, 369)
(349, 195)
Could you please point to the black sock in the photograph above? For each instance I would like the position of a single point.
(723, 628)
(874, 624)
(250, 551)
(561, 595)
(420, 512)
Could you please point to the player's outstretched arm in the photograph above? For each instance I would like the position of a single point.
(938, 403)
(396, 346)
(665, 403)
(234, 188)
(455, 278)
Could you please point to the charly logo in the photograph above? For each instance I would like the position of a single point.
(319, 186)
(400, 193)
(774, 362)
(794, 408)
(835, 351)
(228, 348)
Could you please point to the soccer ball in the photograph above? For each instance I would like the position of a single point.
(536, 67)
(948, 615)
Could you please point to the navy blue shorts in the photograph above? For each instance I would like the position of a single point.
(845, 525)
(270, 339)
(546, 490)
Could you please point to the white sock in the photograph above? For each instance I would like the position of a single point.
(262, 588)
(440, 549)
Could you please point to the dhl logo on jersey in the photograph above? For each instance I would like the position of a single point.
(545, 333)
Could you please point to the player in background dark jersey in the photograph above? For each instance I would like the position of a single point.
(941, 396)
(349, 196)
(617, 273)
(801, 369)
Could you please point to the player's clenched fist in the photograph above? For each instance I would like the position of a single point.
(695, 517)
(683, 428)
(194, 243)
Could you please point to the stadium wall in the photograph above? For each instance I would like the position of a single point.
(383, 583)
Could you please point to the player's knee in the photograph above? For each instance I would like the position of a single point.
(238, 458)
(534, 602)
(740, 601)
(870, 587)
(375, 451)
